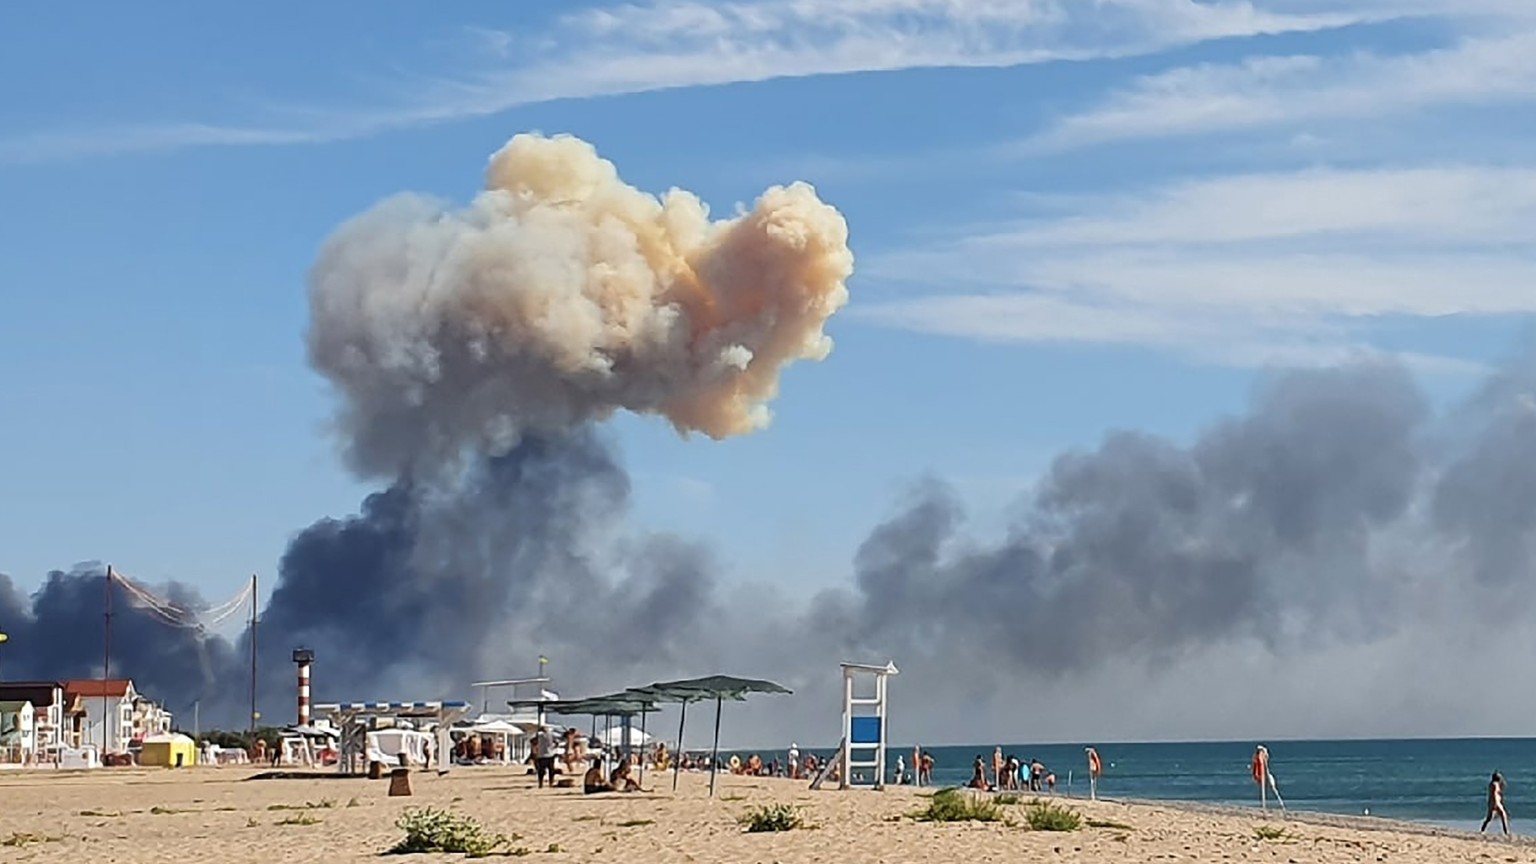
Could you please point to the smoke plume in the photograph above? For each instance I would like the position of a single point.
(1330, 561)
(559, 296)
(473, 353)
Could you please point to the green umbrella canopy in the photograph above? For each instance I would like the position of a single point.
(716, 687)
(709, 687)
(617, 705)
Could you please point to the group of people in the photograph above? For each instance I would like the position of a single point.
(1010, 773)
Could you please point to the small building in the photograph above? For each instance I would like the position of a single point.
(18, 740)
(103, 703)
(50, 710)
(170, 750)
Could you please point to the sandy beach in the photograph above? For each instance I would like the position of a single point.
(147, 816)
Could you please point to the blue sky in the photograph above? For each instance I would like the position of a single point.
(1068, 217)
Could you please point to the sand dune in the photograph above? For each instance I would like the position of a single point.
(218, 815)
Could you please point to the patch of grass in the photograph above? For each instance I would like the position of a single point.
(300, 819)
(1105, 823)
(636, 823)
(955, 805)
(1269, 832)
(772, 817)
(157, 810)
(431, 830)
(105, 814)
(19, 839)
(520, 851)
(1006, 799)
(1046, 816)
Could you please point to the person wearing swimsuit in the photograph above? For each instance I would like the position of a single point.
(1496, 804)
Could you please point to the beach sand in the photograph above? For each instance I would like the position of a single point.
(137, 816)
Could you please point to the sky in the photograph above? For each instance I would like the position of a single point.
(1068, 218)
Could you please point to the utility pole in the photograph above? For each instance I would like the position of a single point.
(253, 656)
(197, 719)
(106, 662)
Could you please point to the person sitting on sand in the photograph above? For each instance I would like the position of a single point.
(1496, 804)
(594, 783)
(622, 780)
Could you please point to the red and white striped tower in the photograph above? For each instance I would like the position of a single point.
(303, 658)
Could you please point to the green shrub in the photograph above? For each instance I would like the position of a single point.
(1266, 832)
(1006, 799)
(954, 805)
(430, 830)
(1045, 816)
(772, 817)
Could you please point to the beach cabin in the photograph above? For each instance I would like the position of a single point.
(18, 741)
(168, 750)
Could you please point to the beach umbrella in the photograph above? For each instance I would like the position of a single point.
(716, 687)
(622, 705)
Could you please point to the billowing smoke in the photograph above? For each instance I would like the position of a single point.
(1333, 557)
(474, 352)
(560, 296)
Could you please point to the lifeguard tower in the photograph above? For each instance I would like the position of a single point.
(864, 728)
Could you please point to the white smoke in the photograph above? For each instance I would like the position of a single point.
(559, 295)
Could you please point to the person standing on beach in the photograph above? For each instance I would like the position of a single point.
(997, 767)
(794, 761)
(1496, 804)
(544, 756)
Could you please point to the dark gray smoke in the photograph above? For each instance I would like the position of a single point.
(1338, 536)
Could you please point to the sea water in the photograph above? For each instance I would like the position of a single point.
(1438, 781)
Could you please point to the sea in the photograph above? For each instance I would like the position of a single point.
(1441, 782)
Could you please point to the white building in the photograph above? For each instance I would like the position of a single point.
(99, 702)
(18, 740)
(50, 710)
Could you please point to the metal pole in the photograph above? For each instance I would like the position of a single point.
(253, 654)
(643, 745)
(106, 661)
(677, 758)
(714, 751)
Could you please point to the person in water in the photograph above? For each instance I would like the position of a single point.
(1496, 804)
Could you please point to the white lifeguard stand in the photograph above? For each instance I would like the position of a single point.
(864, 730)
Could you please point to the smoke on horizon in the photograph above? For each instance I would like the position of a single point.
(1326, 562)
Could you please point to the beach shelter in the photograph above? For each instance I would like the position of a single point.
(622, 705)
(171, 750)
(716, 687)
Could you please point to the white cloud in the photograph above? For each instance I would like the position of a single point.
(1244, 270)
(1270, 91)
(635, 48)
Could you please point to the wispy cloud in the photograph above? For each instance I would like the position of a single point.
(1275, 91)
(635, 48)
(1246, 270)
